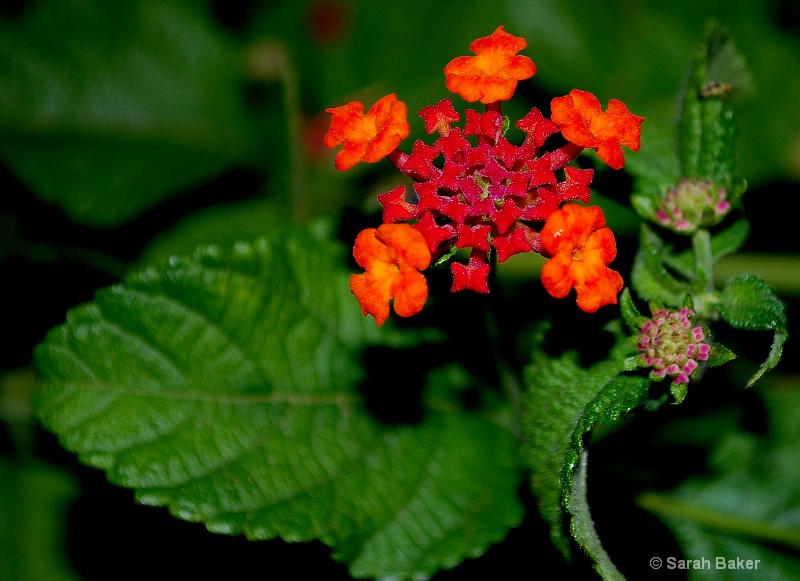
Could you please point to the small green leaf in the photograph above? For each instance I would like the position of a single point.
(679, 391)
(644, 206)
(224, 386)
(649, 277)
(564, 402)
(774, 357)
(748, 303)
(630, 314)
(719, 355)
(730, 239)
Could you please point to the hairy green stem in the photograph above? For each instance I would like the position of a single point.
(704, 260)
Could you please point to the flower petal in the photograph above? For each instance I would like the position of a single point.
(392, 256)
(373, 290)
(585, 124)
(405, 244)
(367, 137)
(474, 276)
(600, 291)
(570, 227)
(369, 251)
(556, 276)
(492, 74)
(581, 247)
(410, 292)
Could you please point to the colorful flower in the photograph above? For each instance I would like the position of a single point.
(369, 137)
(485, 195)
(692, 204)
(492, 74)
(583, 123)
(672, 345)
(580, 247)
(474, 189)
(392, 256)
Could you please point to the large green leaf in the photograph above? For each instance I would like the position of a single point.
(224, 387)
(748, 507)
(564, 402)
(108, 108)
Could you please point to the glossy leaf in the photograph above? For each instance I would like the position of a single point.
(223, 386)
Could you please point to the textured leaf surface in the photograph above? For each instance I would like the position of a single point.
(123, 103)
(749, 507)
(224, 387)
(564, 402)
(749, 303)
(706, 128)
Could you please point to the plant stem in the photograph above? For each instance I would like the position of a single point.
(297, 160)
(704, 260)
(269, 60)
(509, 383)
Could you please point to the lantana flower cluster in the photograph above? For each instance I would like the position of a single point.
(693, 204)
(672, 345)
(474, 189)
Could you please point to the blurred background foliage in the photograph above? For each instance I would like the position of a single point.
(135, 129)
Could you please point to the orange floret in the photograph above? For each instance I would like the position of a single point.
(583, 123)
(369, 137)
(581, 247)
(492, 74)
(392, 256)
